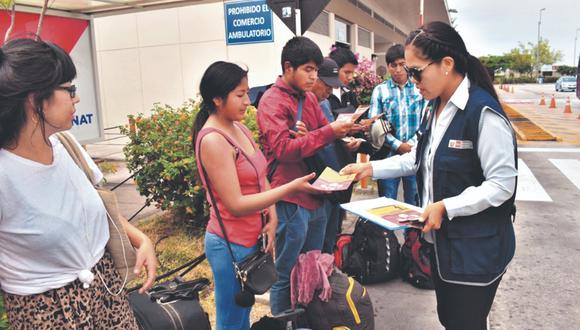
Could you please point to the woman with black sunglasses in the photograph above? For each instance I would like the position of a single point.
(465, 161)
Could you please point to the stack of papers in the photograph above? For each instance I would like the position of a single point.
(384, 212)
(330, 180)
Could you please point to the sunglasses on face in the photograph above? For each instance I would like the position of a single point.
(72, 90)
(415, 73)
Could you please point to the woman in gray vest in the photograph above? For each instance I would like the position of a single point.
(465, 161)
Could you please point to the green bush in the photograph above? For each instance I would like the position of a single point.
(516, 80)
(3, 320)
(160, 148)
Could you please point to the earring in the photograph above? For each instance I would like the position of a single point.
(446, 72)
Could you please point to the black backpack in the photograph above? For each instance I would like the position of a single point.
(349, 306)
(415, 262)
(373, 254)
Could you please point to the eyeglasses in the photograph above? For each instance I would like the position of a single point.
(415, 73)
(72, 90)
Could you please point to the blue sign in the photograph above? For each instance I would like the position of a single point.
(248, 22)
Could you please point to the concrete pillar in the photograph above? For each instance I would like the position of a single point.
(354, 37)
(331, 26)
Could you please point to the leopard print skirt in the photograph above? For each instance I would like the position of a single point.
(73, 307)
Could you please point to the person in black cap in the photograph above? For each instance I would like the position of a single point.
(335, 154)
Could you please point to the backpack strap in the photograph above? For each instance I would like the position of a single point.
(76, 154)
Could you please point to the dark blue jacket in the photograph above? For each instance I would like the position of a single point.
(476, 249)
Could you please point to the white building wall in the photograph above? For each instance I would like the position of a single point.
(160, 56)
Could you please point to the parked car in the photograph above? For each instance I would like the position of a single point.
(566, 83)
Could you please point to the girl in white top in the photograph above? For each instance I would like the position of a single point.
(53, 224)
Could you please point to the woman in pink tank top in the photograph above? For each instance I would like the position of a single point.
(236, 170)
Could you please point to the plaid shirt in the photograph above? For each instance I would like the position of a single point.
(403, 109)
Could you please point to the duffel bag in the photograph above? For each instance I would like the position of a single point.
(349, 306)
(172, 305)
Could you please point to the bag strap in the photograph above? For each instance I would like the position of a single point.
(71, 146)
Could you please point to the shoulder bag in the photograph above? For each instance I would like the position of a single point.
(123, 253)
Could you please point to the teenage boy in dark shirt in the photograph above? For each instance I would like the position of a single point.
(301, 217)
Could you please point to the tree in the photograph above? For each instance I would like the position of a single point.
(546, 54)
(521, 59)
(496, 62)
(567, 70)
(11, 6)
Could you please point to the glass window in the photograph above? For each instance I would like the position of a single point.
(364, 38)
(342, 30)
(321, 24)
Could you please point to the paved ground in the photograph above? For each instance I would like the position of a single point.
(526, 100)
(540, 289)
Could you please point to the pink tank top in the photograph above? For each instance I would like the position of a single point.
(252, 171)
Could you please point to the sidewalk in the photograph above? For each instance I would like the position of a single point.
(565, 126)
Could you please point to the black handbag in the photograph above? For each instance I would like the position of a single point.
(257, 272)
(172, 304)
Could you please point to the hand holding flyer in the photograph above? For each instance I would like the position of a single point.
(330, 180)
(353, 117)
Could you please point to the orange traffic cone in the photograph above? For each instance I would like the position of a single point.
(553, 102)
(543, 100)
(568, 106)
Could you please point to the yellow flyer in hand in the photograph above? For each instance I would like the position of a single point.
(330, 180)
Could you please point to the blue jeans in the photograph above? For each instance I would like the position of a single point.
(333, 215)
(299, 230)
(390, 187)
(228, 314)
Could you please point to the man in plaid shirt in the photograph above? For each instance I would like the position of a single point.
(400, 101)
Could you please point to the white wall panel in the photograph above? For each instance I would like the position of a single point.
(324, 42)
(121, 90)
(116, 32)
(196, 57)
(161, 76)
(204, 22)
(158, 27)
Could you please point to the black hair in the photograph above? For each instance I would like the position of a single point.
(28, 67)
(437, 40)
(299, 51)
(342, 55)
(218, 80)
(394, 53)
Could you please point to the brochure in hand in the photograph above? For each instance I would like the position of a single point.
(330, 180)
(355, 116)
(386, 212)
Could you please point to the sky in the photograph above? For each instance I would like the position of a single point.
(493, 27)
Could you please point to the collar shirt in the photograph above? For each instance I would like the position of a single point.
(402, 107)
(495, 150)
(276, 115)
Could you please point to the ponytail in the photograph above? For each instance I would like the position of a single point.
(200, 120)
(479, 75)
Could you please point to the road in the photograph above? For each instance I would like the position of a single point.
(533, 93)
